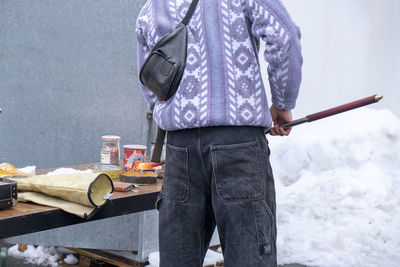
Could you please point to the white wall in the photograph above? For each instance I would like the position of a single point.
(350, 49)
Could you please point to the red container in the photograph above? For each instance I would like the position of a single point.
(132, 154)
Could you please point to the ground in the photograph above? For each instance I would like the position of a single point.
(15, 262)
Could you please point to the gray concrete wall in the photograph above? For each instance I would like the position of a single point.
(67, 77)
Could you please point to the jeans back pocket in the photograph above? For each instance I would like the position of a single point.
(237, 171)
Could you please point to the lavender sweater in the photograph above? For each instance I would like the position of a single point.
(222, 84)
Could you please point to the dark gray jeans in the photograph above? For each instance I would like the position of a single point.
(217, 176)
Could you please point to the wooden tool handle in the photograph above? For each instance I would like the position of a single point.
(343, 108)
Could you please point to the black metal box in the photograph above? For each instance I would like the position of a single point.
(8, 193)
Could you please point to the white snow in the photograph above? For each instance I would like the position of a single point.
(28, 169)
(154, 259)
(338, 191)
(71, 259)
(43, 256)
(211, 258)
(60, 171)
(40, 255)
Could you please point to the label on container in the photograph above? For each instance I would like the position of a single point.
(132, 154)
(105, 158)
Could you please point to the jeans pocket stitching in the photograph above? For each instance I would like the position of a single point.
(266, 245)
(184, 195)
(234, 146)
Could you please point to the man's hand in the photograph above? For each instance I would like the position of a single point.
(280, 117)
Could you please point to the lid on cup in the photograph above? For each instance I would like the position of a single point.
(110, 138)
(135, 147)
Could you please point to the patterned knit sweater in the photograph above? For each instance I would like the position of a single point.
(222, 83)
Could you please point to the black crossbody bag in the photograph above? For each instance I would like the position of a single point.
(162, 71)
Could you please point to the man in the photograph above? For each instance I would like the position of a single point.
(217, 169)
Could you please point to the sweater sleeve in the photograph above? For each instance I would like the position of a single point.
(142, 52)
(271, 22)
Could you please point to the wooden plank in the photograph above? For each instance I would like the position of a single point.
(22, 247)
(220, 264)
(23, 209)
(55, 218)
(115, 259)
(108, 257)
(215, 248)
(84, 261)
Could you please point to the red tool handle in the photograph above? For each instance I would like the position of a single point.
(335, 110)
(343, 108)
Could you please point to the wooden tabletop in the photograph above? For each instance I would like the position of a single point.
(27, 218)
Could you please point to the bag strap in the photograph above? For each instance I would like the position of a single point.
(190, 12)
(158, 146)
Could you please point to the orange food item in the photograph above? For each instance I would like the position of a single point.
(143, 166)
(8, 169)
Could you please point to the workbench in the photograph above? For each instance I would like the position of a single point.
(123, 224)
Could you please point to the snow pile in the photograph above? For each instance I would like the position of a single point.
(71, 259)
(212, 257)
(154, 259)
(338, 191)
(43, 256)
